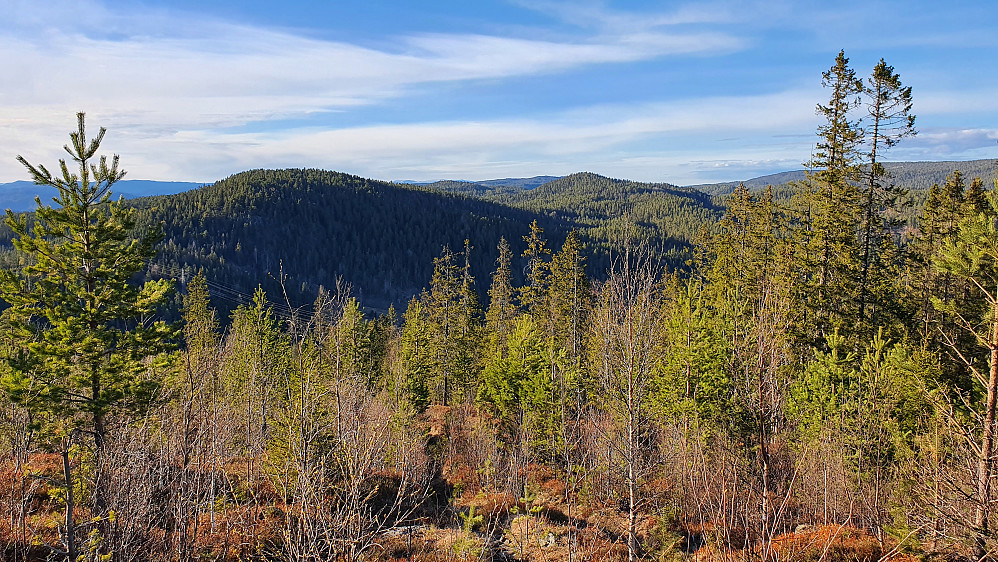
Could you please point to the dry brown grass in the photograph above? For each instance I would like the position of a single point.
(831, 543)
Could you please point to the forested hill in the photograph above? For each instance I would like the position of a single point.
(601, 208)
(318, 225)
(382, 237)
(675, 215)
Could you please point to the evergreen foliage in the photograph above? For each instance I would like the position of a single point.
(74, 308)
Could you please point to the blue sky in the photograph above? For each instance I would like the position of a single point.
(682, 92)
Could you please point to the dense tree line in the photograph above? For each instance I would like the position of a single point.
(820, 370)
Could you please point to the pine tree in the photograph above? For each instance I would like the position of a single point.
(867, 412)
(972, 254)
(87, 328)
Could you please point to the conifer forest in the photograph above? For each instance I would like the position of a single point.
(305, 365)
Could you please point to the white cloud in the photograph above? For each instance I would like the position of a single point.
(158, 77)
(954, 143)
(174, 92)
(645, 142)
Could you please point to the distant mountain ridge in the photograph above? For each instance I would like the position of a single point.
(485, 187)
(914, 176)
(525, 183)
(19, 196)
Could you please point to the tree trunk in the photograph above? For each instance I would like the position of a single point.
(70, 504)
(632, 495)
(986, 462)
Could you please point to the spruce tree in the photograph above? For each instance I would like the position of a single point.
(568, 297)
(416, 356)
(829, 206)
(502, 310)
(533, 292)
(452, 311)
(890, 120)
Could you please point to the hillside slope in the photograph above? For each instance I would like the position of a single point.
(670, 217)
(317, 226)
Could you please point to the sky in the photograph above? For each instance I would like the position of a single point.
(678, 92)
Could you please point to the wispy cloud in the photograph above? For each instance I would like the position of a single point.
(597, 15)
(628, 141)
(937, 144)
(159, 75)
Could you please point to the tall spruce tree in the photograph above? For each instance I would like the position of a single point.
(829, 204)
(534, 290)
(452, 310)
(568, 298)
(890, 120)
(502, 310)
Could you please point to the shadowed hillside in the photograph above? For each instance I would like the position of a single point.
(379, 237)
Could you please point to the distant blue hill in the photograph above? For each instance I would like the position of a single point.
(523, 183)
(914, 176)
(19, 196)
(484, 188)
